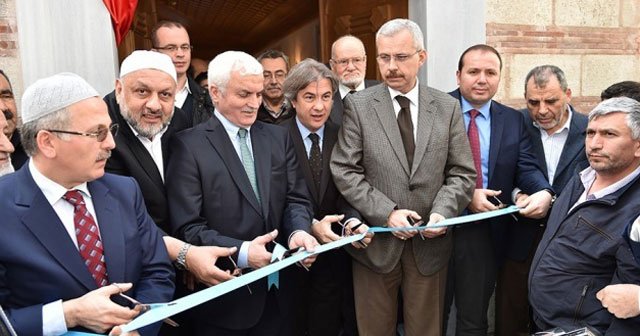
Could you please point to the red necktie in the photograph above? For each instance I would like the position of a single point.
(89, 243)
(474, 141)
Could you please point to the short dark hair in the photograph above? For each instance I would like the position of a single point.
(162, 24)
(542, 74)
(201, 76)
(629, 89)
(482, 47)
(274, 54)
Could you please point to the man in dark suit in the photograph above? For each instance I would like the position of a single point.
(557, 136)
(69, 230)
(329, 305)
(502, 155)
(402, 155)
(234, 182)
(10, 112)
(349, 64)
(172, 39)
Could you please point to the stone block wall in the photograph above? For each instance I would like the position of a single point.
(595, 42)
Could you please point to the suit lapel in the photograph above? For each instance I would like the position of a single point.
(261, 145)
(128, 141)
(497, 128)
(426, 114)
(217, 136)
(47, 228)
(110, 221)
(536, 144)
(573, 146)
(330, 138)
(303, 161)
(383, 108)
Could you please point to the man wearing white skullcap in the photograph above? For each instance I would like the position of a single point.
(74, 236)
(143, 107)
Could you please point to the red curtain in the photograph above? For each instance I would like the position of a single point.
(122, 13)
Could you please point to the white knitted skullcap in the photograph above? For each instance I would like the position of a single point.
(51, 94)
(146, 59)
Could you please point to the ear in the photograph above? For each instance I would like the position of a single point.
(458, 77)
(215, 93)
(119, 88)
(422, 56)
(568, 93)
(46, 142)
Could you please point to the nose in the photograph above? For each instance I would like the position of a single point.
(154, 102)
(594, 141)
(393, 64)
(5, 144)
(254, 101)
(109, 142)
(318, 105)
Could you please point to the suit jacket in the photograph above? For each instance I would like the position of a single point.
(18, 157)
(572, 160)
(337, 110)
(211, 202)
(131, 158)
(511, 164)
(197, 108)
(40, 264)
(370, 168)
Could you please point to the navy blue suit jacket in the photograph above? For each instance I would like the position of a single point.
(211, 202)
(39, 262)
(572, 160)
(511, 164)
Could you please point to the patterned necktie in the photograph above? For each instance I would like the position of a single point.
(474, 141)
(89, 244)
(247, 162)
(406, 128)
(315, 159)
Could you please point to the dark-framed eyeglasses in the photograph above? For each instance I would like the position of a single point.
(171, 48)
(399, 58)
(100, 134)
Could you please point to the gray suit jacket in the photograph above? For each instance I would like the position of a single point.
(370, 169)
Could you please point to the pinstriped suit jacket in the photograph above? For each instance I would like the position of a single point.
(370, 169)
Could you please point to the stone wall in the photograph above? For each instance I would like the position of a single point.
(9, 51)
(595, 42)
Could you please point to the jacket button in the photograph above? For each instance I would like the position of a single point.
(411, 188)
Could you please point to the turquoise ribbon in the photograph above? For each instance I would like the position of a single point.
(273, 280)
(162, 311)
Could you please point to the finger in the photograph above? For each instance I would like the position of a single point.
(115, 288)
(332, 218)
(266, 238)
(600, 294)
(414, 215)
(330, 236)
(310, 244)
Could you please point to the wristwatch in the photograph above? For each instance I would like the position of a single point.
(181, 261)
(553, 195)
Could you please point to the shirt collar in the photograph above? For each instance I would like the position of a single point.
(53, 191)
(304, 131)
(484, 110)
(230, 127)
(588, 176)
(345, 90)
(412, 95)
(186, 87)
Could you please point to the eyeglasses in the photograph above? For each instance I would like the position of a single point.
(279, 75)
(399, 58)
(173, 48)
(343, 62)
(100, 134)
(350, 231)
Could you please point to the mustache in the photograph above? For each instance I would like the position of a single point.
(104, 156)
(151, 113)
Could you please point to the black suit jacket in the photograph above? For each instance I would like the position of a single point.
(511, 164)
(197, 108)
(211, 202)
(18, 157)
(131, 158)
(572, 160)
(337, 110)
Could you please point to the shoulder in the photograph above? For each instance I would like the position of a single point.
(117, 182)
(437, 95)
(508, 114)
(277, 131)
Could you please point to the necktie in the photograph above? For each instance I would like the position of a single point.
(474, 141)
(89, 243)
(247, 162)
(406, 128)
(345, 96)
(315, 159)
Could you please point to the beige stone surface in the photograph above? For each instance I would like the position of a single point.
(587, 13)
(519, 12)
(520, 65)
(7, 8)
(600, 71)
(630, 13)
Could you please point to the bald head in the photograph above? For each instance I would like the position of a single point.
(349, 61)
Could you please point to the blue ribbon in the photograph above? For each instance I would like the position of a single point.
(273, 280)
(162, 311)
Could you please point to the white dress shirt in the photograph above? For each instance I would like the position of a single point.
(181, 95)
(553, 145)
(345, 90)
(154, 147)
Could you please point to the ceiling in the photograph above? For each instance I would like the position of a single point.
(248, 25)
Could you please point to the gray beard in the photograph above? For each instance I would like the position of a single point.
(6, 168)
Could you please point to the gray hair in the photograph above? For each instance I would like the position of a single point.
(304, 73)
(393, 27)
(221, 67)
(541, 75)
(623, 105)
(29, 131)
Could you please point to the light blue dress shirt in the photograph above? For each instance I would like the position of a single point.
(304, 132)
(483, 121)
